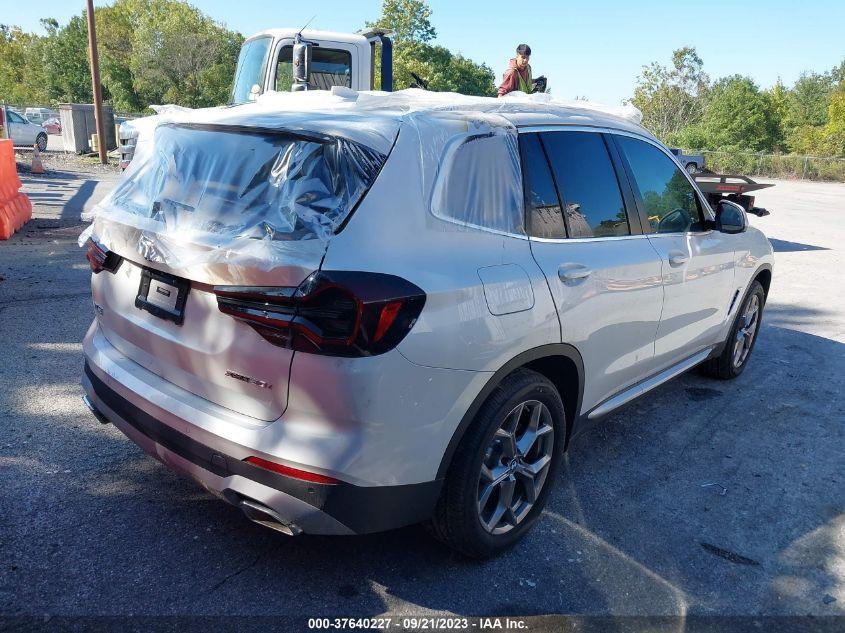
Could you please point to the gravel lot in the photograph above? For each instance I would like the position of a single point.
(90, 525)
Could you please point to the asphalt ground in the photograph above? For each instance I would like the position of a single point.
(702, 498)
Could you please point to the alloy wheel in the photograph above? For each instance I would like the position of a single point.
(747, 329)
(515, 466)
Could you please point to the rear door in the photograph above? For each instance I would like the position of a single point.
(698, 263)
(603, 273)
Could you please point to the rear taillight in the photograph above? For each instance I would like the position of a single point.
(101, 258)
(337, 313)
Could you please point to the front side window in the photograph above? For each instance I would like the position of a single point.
(669, 200)
(587, 184)
(543, 215)
(14, 117)
(329, 67)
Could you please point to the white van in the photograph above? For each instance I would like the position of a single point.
(39, 115)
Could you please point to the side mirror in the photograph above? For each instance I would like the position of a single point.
(254, 91)
(301, 64)
(730, 217)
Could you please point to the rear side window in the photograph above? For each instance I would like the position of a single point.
(587, 184)
(542, 206)
(668, 198)
(478, 183)
(329, 67)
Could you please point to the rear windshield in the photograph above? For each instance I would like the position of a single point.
(210, 184)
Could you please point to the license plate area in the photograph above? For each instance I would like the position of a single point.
(163, 295)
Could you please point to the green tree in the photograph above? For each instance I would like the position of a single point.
(21, 70)
(808, 100)
(410, 22)
(672, 97)
(778, 96)
(180, 55)
(65, 61)
(737, 117)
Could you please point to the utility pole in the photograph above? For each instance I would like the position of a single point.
(95, 83)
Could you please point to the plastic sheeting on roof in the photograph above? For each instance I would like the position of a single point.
(267, 184)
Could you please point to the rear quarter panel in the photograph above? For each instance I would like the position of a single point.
(394, 232)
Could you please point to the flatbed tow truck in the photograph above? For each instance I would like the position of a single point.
(729, 187)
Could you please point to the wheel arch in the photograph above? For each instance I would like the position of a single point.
(559, 362)
(764, 276)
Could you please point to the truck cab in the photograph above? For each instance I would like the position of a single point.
(266, 61)
(290, 59)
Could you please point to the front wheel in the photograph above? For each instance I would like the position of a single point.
(504, 467)
(740, 342)
(41, 142)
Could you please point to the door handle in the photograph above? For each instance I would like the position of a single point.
(571, 272)
(677, 258)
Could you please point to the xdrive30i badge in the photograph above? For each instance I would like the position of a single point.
(252, 381)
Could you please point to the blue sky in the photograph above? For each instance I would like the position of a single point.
(593, 49)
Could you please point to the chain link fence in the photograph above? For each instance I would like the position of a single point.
(774, 165)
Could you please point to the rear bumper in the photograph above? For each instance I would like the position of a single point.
(168, 422)
(303, 506)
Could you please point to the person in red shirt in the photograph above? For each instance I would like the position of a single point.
(518, 74)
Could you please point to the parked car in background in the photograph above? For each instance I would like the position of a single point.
(40, 115)
(52, 126)
(22, 132)
(693, 163)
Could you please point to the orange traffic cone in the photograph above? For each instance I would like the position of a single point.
(37, 167)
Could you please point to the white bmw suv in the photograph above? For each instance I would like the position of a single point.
(364, 314)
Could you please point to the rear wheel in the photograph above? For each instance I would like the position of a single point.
(41, 141)
(734, 357)
(504, 467)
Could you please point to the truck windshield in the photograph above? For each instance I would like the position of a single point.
(252, 62)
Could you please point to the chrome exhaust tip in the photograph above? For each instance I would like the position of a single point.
(97, 413)
(261, 514)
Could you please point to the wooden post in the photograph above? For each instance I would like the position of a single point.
(95, 83)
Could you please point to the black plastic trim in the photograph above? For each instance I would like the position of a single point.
(361, 509)
(544, 351)
(623, 177)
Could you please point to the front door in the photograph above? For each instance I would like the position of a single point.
(698, 263)
(604, 274)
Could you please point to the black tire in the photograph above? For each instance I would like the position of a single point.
(41, 141)
(457, 520)
(724, 366)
